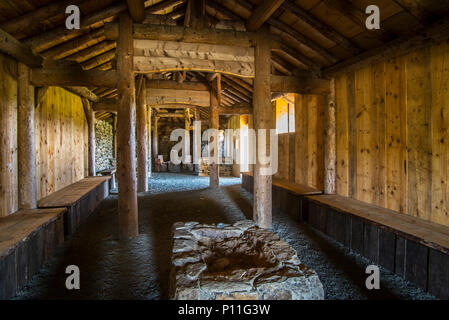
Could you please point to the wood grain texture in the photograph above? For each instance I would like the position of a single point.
(61, 141)
(392, 129)
(8, 134)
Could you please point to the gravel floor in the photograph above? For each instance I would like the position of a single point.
(138, 269)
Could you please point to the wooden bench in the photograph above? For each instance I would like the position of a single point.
(287, 196)
(28, 238)
(80, 198)
(110, 172)
(414, 248)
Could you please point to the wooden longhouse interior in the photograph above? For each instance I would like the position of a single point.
(86, 115)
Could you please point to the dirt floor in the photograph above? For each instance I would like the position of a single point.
(139, 268)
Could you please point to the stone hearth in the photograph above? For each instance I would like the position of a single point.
(240, 261)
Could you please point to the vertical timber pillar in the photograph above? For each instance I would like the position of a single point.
(26, 141)
(149, 140)
(142, 140)
(330, 148)
(197, 140)
(262, 206)
(90, 116)
(214, 122)
(126, 145)
(155, 137)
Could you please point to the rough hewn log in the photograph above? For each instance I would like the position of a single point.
(214, 174)
(162, 64)
(190, 35)
(162, 6)
(19, 51)
(262, 209)
(436, 33)
(90, 117)
(84, 93)
(136, 9)
(126, 167)
(70, 47)
(170, 115)
(236, 109)
(142, 139)
(287, 84)
(93, 51)
(155, 137)
(106, 105)
(73, 77)
(262, 13)
(321, 27)
(35, 17)
(26, 148)
(349, 10)
(172, 96)
(53, 37)
(99, 60)
(176, 49)
(171, 84)
(330, 140)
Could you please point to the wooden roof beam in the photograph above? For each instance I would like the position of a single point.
(349, 10)
(416, 9)
(74, 45)
(171, 84)
(321, 27)
(84, 93)
(262, 13)
(435, 33)
(73, 77)
(136, 9)
(236, 109)
(190, 35)
(58, 35)
(35, 17)
(105, 105)
(22, 53)
(302, 85)
(224, 11)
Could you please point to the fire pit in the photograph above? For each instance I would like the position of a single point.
(240, 261)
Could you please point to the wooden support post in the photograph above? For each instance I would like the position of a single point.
(25, 141)
(330, 149)
(197, 139)
(155, 137)
(214, 122)
(142, 140)
(126, 167)
(90, 117)
(262, 207)
(149, 130)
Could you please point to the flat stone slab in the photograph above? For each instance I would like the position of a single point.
(237, 262)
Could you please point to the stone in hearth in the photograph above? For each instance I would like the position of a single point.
(239, 261)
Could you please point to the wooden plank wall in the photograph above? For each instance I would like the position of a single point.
(301, 154)
(393, 134)
(61, 141)
(8, 136)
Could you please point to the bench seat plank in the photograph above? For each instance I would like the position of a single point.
(295, 188)
(28, 238)
(425, 232)
(69, 195)
(16, 227)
